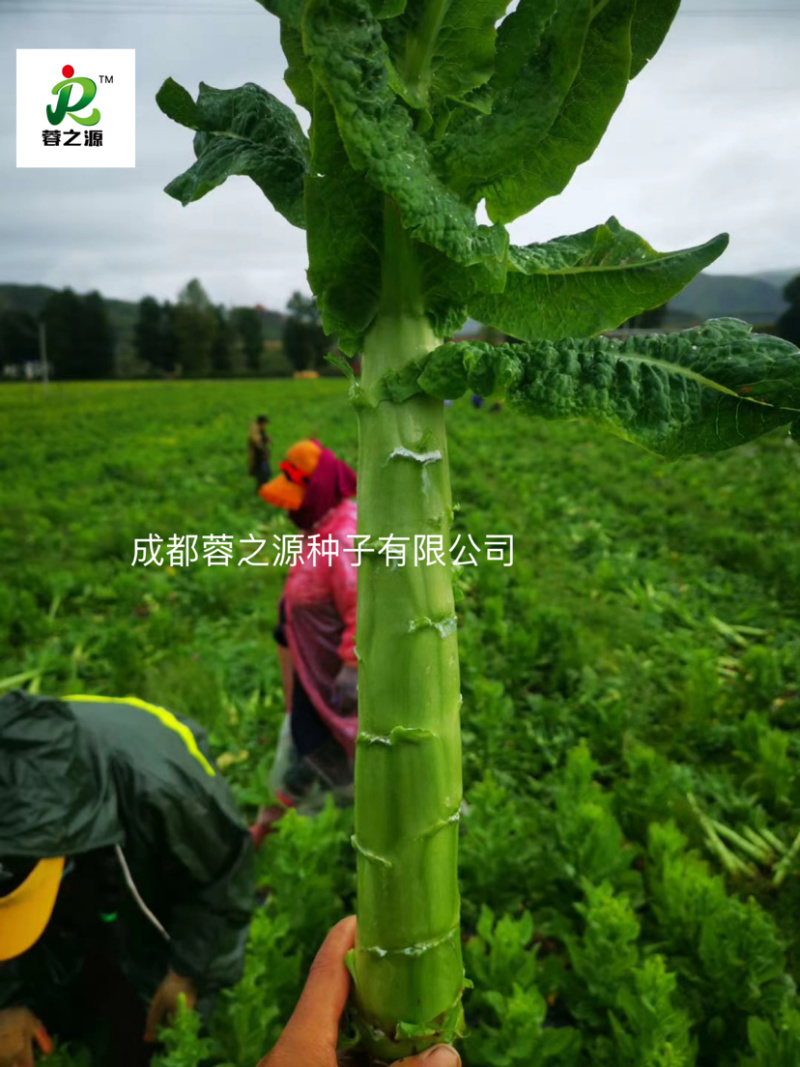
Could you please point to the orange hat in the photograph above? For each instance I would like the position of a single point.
(26, 910)
(289, 488)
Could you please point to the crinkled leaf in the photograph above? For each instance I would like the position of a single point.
(571, 139)
(244, 131)
(580, 285)
(387, 9)
(345, 233)
(542, 52)
(298, 74)
(651, 21)
(539, 53)
(327, 151)
(464, 56)
(479, 99)
(761, 1036)
(177, 104)
(676, 394)
(288, 11)
(443, 50)
(448, 288)
(348, 57)
(445, 285)
(522, 37)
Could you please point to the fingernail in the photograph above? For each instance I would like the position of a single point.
(441, 1056)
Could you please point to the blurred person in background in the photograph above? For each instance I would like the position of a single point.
(316, 635)
(127, 877)
(258, 442)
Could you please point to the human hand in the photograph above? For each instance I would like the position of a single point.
(345, 690)
(312, 1033)
(165, 1003)
(19, 1028)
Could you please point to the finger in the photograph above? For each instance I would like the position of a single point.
(316, 1018)
(43, 1040)
(154, 1017)
(438, 1056)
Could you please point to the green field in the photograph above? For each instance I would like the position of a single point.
(633, 676)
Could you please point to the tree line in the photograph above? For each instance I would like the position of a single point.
(196, 338)
(191, 337)
(80, 341)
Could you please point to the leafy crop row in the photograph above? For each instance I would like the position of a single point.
(636, 668)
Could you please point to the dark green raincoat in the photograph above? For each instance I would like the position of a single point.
(88, 773)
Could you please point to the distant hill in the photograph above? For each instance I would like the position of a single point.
(710, 296)
(778, 278)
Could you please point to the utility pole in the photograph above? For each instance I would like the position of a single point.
(43, 352)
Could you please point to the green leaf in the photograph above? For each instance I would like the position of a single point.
(445, 285)
(244, 131)
(345, 238)
(539, 53)
(327, 150)
(298, 74)
(651, 22)
(580, 285)
(177, 104)
(559, 73)
(289, 12)
(387, 9)
(594, 95)
(448, 287)
(524, 34)
(349, 59)
(676, 394)
(761, 1036)
(443, 49)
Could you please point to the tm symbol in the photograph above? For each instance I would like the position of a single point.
(107, 79)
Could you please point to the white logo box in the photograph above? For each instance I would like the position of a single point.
(113, 70)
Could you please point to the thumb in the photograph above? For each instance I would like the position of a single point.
(438, 1056)
(43, 1040)
(315, 1021)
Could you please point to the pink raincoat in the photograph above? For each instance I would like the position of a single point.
(320, 602)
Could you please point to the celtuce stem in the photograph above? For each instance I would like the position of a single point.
(407, 964)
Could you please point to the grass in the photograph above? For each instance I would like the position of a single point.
(639, 658)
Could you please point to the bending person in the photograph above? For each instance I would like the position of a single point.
(316, 634)
(127, 877)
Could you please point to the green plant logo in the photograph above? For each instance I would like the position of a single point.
(63, 107)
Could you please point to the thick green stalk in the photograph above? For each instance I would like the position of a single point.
(407, 965)
(415, 67)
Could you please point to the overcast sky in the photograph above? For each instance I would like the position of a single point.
(707, 139)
